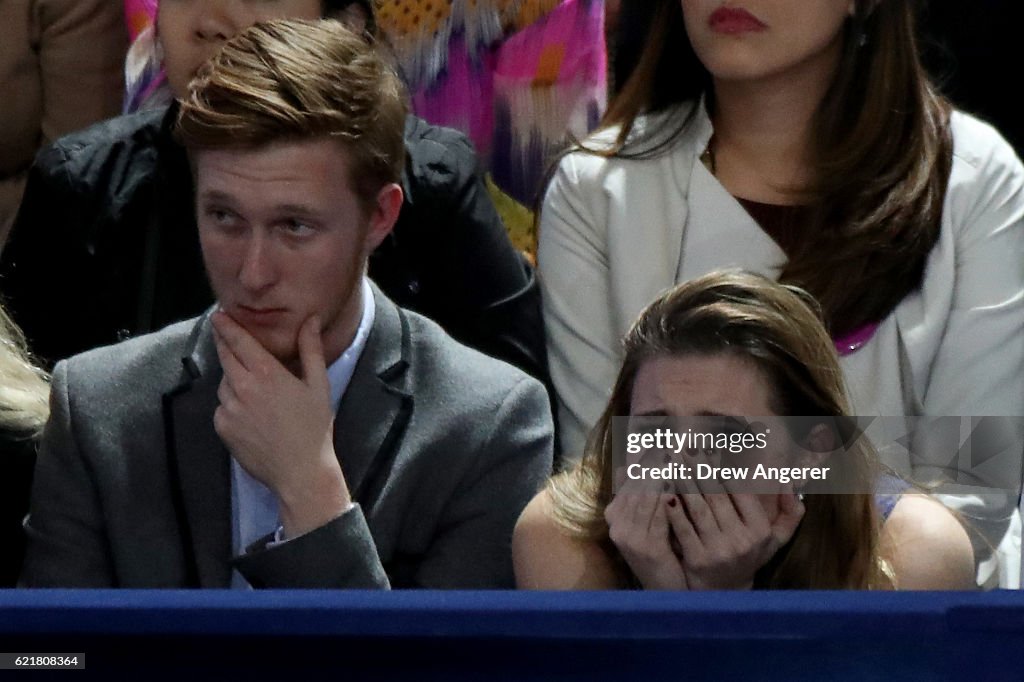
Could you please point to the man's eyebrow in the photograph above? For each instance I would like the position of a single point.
(215, 195)
(297, 209)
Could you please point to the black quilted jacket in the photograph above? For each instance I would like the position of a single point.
(105, 245)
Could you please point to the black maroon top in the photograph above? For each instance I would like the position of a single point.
(777, 221)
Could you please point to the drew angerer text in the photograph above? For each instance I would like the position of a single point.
(707, 472)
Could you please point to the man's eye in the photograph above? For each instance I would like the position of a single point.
(297, 228)
(219, 216)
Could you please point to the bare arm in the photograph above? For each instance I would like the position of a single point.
(545, 557)
(927, 546)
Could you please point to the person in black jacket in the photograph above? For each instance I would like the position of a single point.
(105, 245)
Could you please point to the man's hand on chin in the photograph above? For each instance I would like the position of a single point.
(280, 427)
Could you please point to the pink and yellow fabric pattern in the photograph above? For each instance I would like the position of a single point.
(143, 69)
(517, 76)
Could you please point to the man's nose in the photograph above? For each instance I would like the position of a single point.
(258, 270)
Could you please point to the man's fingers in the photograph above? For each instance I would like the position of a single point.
(228, 360)
(311, 355)
(250, 354)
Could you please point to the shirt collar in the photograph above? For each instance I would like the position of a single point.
(339, 372)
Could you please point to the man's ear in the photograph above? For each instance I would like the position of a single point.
(384, 215)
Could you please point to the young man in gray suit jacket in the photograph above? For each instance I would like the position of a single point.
(308, 432)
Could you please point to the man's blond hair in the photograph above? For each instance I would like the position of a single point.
(292, 80)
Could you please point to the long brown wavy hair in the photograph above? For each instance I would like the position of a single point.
(881, 158)
(777, 327)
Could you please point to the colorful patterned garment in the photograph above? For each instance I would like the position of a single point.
(517, 76)
(145, 81)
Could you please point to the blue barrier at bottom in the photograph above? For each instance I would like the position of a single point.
(348, 635)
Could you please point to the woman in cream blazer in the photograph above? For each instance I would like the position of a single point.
(616, 232)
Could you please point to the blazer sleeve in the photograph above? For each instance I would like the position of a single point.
(340, 554)
(473, 547)
(577, 302)
(67, 544)
(978, 369)
(979, 366)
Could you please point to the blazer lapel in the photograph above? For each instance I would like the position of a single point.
(716, 218)
(376, 407)
(199, 464)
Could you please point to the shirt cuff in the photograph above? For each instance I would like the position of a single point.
(279, 538)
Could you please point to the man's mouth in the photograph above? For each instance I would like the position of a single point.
(259, 314)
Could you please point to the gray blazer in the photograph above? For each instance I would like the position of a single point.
(441, 446)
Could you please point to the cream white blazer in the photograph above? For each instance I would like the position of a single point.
(616, 233)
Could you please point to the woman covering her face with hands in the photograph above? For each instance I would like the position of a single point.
(801, 140)
(735, 345)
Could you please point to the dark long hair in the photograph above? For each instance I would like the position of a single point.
(882, 156)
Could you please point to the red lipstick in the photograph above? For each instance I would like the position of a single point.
(734, 20)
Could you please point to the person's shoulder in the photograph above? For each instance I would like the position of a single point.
(652, 143)
(423, 135)
(986, 182)
(979, 145)
(927, 545)
(547, 557)
(88, 156)
(437, 157)
(111, 135)
(149, 361)
(465, 374)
